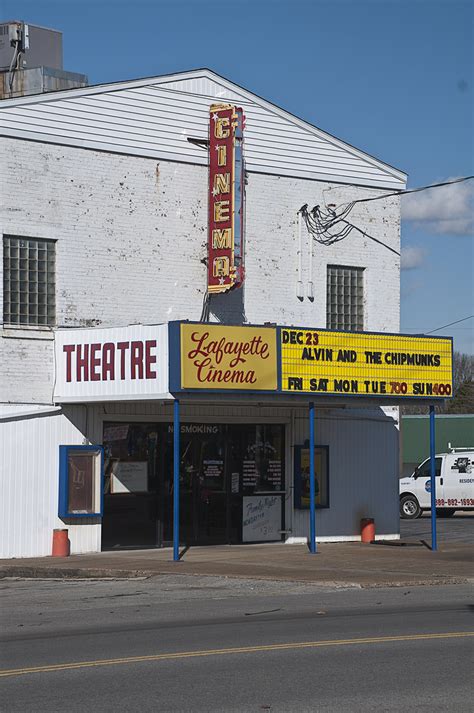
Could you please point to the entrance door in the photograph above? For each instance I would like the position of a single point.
(204, 484)
(132, 498)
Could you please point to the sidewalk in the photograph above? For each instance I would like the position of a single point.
(342, 564)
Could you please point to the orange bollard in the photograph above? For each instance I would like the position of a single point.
(367, 529)
(61, 544)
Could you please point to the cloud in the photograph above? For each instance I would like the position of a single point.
(448, 210)
(412, 258)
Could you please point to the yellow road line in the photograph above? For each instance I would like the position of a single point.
(224, 652)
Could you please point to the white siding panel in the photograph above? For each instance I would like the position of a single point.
(363, 473)
(156, 122)
(29, 485)
(207, 87)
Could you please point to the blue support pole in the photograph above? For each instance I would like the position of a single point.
(312, 500)
(434, 544)
(176, 457)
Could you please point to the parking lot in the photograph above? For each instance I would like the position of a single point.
(458, 528)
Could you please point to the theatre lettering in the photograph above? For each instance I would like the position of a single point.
(110, 361)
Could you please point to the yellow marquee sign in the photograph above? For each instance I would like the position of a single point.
(216, 357)
(365, 364)
(223, 357)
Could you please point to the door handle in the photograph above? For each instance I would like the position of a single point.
(441, 481)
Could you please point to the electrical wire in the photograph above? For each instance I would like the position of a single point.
(412, 190)
(324, 225)
(471, 316)
(320, 225)
(371, 237)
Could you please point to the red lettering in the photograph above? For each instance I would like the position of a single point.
(122, 347)
(136, 360)
(237, 350)
(108, 361)
(69, 349)
(94, 362)
(150, 359)
(82, 362)
(199, 350)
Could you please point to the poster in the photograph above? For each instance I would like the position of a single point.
(302, 476)
(261, 518)
(81, 482)
(116, 433)
(129, 477)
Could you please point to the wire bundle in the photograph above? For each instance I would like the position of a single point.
(324, 226)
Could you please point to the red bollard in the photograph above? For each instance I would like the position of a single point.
(61, 544)
(367, 529)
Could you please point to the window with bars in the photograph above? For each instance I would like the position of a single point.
(345, 298)
(29, 281)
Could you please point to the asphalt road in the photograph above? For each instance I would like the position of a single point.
(181, 643)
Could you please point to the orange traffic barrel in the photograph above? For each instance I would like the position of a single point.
(61, 544)
(367, 529)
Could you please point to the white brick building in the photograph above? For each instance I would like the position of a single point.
(108, 174)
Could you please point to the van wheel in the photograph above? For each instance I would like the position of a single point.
(445, 512)
(409, 507)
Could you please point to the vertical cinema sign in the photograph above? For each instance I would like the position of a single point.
(226, 189)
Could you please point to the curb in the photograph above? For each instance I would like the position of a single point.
(25, 572)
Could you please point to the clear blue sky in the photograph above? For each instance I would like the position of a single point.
(394, 78)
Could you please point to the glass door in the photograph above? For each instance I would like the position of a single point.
(203, 484)
(131, 485)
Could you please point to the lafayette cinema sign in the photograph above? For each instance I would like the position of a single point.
(111, 364)
(226, 174)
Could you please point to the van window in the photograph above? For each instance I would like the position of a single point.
(424, 471)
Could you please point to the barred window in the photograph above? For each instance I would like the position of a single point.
(345, 298)
(29, 281)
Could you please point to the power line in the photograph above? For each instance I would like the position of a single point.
(371, 237)
(450, 324)
(411, 190)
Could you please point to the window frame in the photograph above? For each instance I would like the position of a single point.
(424, 469)
(65, 483)
(344, 311)
(29, 282)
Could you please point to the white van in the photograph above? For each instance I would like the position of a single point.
(454, 485)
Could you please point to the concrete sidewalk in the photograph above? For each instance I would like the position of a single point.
(341, 564)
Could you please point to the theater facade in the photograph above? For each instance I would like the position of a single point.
(195, 289)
